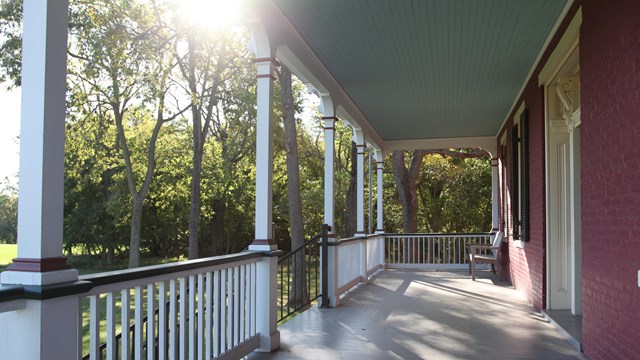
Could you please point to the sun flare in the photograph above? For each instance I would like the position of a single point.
(211, 14)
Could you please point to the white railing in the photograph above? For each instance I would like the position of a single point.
(357, 259)
(435, 251)
(200, 309)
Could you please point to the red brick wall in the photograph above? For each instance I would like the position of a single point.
(525, 267)
(610, 145)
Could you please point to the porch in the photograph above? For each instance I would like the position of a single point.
(424, 314)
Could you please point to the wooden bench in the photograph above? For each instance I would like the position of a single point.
(492, 258)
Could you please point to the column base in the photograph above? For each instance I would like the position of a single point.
(360, 234)
(379, 231)
(11, 277)
(263, 245)
(269, 343)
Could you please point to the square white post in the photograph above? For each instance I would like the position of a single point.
(329, 203)
(267, 273)
(264, 155)
(40, 209)
(495, 195)
(358, 137)
(380, 185)
(329, 169)
(266, 306)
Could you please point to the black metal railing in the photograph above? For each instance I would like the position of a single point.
(302, 276)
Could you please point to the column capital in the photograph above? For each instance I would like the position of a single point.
(266, 67)
(329, 122)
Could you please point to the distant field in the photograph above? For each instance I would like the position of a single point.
(7, 253)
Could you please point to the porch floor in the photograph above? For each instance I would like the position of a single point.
(424, 315)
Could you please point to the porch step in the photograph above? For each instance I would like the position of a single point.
(567, 324)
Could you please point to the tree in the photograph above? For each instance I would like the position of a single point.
(207, 62)
(299, 293)
(8, 214)
(125, 61)
(11, 46)
(406, 179)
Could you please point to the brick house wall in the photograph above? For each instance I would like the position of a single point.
(610, 146)
(525, 267)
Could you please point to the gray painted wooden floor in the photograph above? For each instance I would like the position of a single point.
(424, 315)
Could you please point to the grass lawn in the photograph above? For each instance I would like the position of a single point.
(7, 253)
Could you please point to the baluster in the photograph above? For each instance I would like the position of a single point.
(230, 317)
(162, 321)
(173, 319)
(151, 327)
(215, 330)
(236, 305)
(201, 316)
(191, 321)
(137, 323)
(124, 323)
(208, 323)
(254, 303)
(223, 311)
(94, 326)
(182, 346)
(242, 304)
(111, 325)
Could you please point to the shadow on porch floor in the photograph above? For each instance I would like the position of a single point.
(424, 315)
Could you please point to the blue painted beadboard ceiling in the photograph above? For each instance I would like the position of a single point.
(427, 68)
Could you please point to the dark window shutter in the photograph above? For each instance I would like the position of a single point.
(524, 175)
(513, 180)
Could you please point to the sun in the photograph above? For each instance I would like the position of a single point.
(211, 14)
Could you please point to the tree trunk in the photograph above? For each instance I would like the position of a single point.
(217, 226)
(351, 214)
(299, 292)
(406, 183)
(136, 226)
(196, 200)
(198, 147)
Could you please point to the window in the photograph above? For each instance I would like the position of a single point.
(519, 176)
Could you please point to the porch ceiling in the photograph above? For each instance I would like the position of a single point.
(426, 69)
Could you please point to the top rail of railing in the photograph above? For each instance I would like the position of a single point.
(438, 234)
(87, 282)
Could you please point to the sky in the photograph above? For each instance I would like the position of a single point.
(10, 120)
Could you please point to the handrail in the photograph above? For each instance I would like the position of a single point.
(354, 238)
(117, 276)
(438, 234)
(315, 238)
(311, 286)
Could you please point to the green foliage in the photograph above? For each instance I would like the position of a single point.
(454, 195)
(8, 214)
(11, 45)
(124, 63)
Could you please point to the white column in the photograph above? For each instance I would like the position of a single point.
(266, 306)
(358, 137)
(40, 209)
(329, 162)
(495, 195)
(46, 329)
(264, 155)
(267, 274)
(379, 178)
(329, 203)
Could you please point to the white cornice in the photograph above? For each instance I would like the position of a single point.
(487, 143)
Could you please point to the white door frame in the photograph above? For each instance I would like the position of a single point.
(562, 185)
